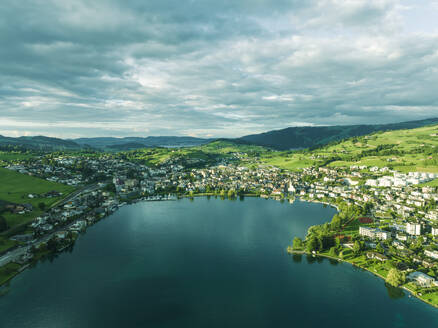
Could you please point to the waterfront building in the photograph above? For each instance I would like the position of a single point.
(374, 233)
(413, 229)
(421, 278)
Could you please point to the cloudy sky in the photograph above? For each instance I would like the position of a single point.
(71, 68)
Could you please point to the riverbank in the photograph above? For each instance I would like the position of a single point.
(322, 255)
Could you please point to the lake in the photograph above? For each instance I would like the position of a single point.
(204, 263)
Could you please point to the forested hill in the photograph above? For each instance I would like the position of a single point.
(37, 143)
(127, 143)
(403, 150)
(309, 137)
(104, 144)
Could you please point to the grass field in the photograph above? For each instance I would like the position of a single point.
(13, 156)
(433, 183)
(403, 150)
(15, 188)
(8, 271)
(210, 152)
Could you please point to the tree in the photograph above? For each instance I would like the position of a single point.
(52, 244)
(333, 251)
(313, 244)
(395, 277)
(379, 248)
(336, 222)
(297, 243)
(357, 247)
(42, 206)
(338, 242)
(110, 187)
(3, 224)
(231, 193)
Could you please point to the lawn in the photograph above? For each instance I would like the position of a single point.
(6, 243)
(353, 227)
(8, 271)
(15, 188)
(433, 183)
(14, 156)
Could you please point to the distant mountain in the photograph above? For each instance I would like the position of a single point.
(105, 143)
(126, 146)
(39, 142)
(138, 142)
(308, 137)
(289, 138)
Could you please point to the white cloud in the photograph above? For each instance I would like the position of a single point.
(213, 68)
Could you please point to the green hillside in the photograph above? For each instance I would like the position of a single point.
(317, 136)
(404, 150)
(208, 154)
(15, 188)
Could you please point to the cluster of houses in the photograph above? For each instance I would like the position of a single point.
(19, 208)
(401, 180)
(403, 211)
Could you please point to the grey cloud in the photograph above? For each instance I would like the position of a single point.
(223, 68)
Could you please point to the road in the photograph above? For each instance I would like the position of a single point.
(17, 252)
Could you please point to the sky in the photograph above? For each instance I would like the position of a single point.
(80, 68)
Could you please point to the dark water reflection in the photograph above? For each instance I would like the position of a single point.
(204, 263)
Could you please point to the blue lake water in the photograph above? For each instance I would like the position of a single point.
(204, 263)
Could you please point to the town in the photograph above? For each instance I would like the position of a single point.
(386, 217)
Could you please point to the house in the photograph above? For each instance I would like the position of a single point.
(28, 207)
(377, 256)
(374, 233)
(431, 254)
(61, 234)
(421, 278)
(131, 183)
(413, 229)
(23, 238)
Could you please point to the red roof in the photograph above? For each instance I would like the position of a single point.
(365, 220)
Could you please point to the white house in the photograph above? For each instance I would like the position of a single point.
(413, 229)
(421, 278)
(432, 254)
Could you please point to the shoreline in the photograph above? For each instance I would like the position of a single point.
(134, 201)
(321, 202)
(298, 252)
(410, 292)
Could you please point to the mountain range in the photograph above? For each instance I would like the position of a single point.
(284, 139)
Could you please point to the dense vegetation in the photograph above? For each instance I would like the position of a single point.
(310, 137)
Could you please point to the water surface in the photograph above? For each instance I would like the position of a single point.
(206, 263)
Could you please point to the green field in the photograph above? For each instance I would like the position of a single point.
(433, 183)
(8, 271)
(15, 188)
(14, 156)
(208, 153)
(403, 150)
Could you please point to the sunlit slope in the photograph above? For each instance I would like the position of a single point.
(404, 150)
(15, 188)
(209, 153)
